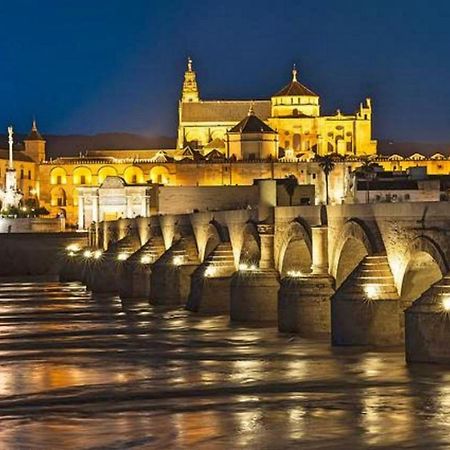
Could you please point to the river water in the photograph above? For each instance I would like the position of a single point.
(83, 372)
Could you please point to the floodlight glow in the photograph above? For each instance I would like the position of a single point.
(243, 267)
(177, 260)
(146, 259)
(446, 304)
(209, 272)
(97, 254)
(294, 273)
(371, 291)
(73, 248)
(122, 256)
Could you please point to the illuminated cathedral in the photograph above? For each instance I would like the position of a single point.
(219, 142)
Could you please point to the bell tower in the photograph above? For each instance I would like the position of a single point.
(190, 89)
(35, 144)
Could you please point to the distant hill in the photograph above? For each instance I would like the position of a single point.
(386, 147)
(71, 145)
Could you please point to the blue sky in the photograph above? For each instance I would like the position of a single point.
(94, 66)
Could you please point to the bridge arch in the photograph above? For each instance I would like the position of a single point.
(296, 249)
(354, 243)
(250, 253)
(425, 265)
(212, 240)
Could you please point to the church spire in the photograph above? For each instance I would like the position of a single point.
(34, 134)
(190, 89)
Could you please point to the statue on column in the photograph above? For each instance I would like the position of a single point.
(10, 196)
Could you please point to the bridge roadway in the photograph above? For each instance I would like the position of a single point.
(372, 274)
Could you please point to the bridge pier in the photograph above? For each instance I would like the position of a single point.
(103, 274)
(365, 310)
(135, 277)
(427, 325)
(211, 282)
(304, 300)
(254, 293)
(304, 305)
(170, 279)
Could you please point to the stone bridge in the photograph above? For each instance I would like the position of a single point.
(363, 274)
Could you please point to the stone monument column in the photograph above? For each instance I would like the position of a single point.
(320, 250)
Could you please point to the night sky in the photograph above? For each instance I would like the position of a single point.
(114, 65)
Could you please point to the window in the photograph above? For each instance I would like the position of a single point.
(314, 176)
(134, 179)
(82, 179)
(407, 197)
(61, 201)
(59, 179)
(296, 140)
(21, 174)
(29, 174)
(295, 112)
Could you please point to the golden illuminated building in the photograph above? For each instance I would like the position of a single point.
(220, 142)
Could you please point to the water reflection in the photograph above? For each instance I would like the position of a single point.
(93, 372)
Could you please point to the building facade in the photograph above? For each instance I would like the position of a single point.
(220, 143)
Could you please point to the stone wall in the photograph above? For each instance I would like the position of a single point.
(25, 254)
(31, 225)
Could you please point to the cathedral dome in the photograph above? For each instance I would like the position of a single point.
(295, 88)
(251, 124)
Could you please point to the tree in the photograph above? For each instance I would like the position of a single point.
(290, 184)
(367, 169)
(327, 163)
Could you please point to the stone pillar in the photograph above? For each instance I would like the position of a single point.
(105, 235)
(266, 233)
(320, 250)
(95, 218)
(128, 207)
(254, 294)
(144, 206)
(427, 325)
(81, 212)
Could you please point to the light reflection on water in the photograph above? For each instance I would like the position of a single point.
(95, 373)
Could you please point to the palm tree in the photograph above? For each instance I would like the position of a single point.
(327, 163)
(367, 169)
(290, 184)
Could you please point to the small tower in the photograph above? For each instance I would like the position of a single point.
(35, 144)
(190, 89)
(10, 196)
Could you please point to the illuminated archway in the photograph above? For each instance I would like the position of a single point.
(295, 250)
(82, 176)
(133, 175)
(251, 247)
(58, 175)
(58, 197)
(354, 243)
(106, 171)
(426, 265)
(159, 175)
